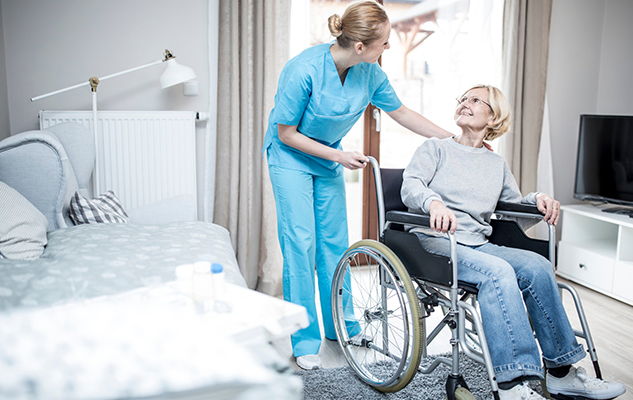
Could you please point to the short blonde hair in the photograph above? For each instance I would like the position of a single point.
(360, 23)
(502, 118)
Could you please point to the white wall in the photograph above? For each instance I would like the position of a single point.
(53, 44)
(589, 72)
(49, 45)
(616, 62)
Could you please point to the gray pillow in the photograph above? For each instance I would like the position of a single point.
(22, 226)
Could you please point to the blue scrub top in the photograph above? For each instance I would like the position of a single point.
(311, 96)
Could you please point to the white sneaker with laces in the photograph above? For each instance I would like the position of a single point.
(578, 383)
(520, 392)
(309, 362)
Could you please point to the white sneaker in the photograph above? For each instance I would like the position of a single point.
(520, 392)
(309, 362)
(578, 383)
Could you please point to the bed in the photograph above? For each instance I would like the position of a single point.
(97, 313)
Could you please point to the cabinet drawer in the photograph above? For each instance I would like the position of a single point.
(623, 278)
(585, 266)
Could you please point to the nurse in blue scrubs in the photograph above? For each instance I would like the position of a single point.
(321, 93)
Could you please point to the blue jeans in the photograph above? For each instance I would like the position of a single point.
(506, 278)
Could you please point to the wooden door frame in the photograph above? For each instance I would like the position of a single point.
(371, 147)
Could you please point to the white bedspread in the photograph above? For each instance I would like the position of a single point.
(147, 342)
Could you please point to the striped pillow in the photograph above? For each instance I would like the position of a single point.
(103, 209)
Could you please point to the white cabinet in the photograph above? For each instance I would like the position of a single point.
(596, 250)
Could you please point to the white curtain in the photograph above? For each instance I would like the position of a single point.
(545, 168)
(211, 126)
(252, 50)
(525, 49)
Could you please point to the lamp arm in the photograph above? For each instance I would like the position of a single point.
(130, 70)
(99, 79)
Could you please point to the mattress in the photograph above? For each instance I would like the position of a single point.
(88, 261)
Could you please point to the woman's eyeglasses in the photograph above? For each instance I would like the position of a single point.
(472, 100)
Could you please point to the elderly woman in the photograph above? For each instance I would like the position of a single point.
(458, 182)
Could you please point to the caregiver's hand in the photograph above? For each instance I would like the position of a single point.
(352, 160)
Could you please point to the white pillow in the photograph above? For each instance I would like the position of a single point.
(103, 209)
(22, 226)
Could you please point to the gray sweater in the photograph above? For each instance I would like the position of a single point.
(469, 181)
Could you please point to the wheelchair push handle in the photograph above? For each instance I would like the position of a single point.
(380, 200)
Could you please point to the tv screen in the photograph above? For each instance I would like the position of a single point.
(604, 167)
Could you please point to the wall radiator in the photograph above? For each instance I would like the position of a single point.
(143, 156)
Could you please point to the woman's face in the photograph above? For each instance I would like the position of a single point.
(372, 52)
(473, 110)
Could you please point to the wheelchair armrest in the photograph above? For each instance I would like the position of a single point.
(518, 210)
(407, 218)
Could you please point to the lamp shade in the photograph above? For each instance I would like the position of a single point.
(175, 74)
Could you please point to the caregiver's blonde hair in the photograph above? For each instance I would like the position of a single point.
(361, 22)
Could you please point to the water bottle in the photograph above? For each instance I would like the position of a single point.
(202, 279)
(219, 289)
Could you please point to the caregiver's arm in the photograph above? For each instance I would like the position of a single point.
(417, 123)
(289, 135)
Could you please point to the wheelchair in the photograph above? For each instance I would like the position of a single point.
(382, 292)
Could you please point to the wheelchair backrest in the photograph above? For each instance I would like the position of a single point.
(391, 184)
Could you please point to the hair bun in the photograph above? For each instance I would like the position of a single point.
(335, 25)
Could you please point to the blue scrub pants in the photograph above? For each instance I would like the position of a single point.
(312, 228)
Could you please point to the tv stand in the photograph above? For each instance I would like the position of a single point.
(596, 249)
(619, 210)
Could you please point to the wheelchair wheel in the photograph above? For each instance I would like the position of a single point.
(373, 299)
(463, 394)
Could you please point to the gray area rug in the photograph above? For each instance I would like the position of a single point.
(342, 383)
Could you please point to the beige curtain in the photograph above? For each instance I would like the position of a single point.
(253, 47)
(525, 48)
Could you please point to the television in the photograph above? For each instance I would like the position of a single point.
(604, 167)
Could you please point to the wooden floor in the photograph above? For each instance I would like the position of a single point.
(611, 324)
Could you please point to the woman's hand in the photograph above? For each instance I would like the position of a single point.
(548, 206)
(442, 218)
(352, 160)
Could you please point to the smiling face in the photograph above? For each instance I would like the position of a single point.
(372, 52)
(474, 112)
